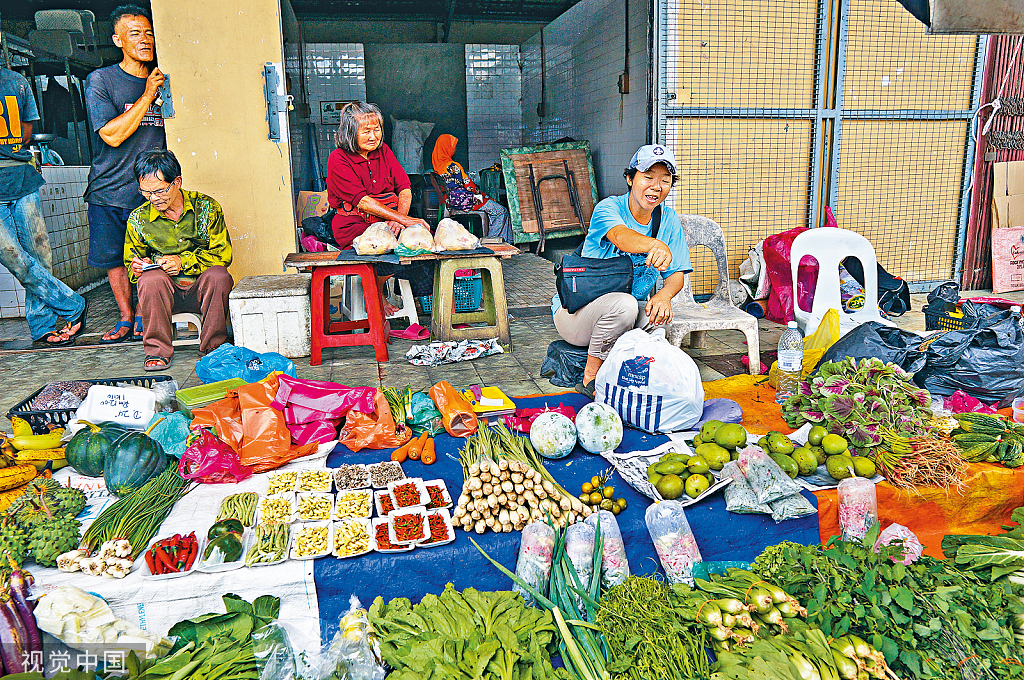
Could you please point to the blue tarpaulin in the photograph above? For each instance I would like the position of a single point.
(720, 535)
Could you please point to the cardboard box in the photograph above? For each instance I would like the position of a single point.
(1008, 226)
(309, 204)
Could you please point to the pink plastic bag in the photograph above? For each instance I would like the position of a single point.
(331, 399)
(961, 402)
(321, 432)
(524, 417)
(777, 261)
(209, 460)
(897, 532)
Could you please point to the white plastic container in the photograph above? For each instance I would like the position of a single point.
(128, 406)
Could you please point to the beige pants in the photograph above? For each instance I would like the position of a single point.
(599, 324)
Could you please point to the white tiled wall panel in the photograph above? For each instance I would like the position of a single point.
(68, 229)
(333, 72)
(584, 53)
(494, 108)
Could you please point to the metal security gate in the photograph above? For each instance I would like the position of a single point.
(778, 109)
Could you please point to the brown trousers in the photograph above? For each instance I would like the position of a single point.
(160, 297)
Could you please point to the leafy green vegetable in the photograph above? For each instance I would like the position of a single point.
(472, 635)
(929, 619)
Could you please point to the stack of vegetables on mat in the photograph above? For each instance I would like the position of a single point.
(928, 618)
(506, 485)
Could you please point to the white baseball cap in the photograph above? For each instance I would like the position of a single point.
(648, 155)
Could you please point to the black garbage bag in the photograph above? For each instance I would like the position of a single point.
(986, 362)
(873, 339)
(564, 364)
(319, 227)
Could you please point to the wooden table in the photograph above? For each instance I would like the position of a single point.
(327, 333)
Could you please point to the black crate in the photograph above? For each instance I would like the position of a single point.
(944, 321)
(62, 416)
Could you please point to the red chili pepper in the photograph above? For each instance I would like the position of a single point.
(406, 495)
(408, 527)
(384, 538)
(192, 552)
(438, 529)
(164, 559)
(436, 497)
(150, 561)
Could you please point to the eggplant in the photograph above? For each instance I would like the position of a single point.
(18, 589)
(13, 650)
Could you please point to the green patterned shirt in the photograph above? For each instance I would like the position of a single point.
(199, 237)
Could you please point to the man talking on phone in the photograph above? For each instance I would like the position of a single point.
(177, 249)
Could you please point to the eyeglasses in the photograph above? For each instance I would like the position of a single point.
(159, 192)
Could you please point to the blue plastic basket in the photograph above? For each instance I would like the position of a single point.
(469, 291)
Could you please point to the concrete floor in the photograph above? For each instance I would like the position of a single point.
(529, 285)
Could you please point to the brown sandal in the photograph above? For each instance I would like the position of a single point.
(159, 363)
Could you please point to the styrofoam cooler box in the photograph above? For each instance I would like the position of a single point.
(271, 314)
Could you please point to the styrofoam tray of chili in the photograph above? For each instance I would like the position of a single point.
(317, 480)
(351, 497)
(328, 499)
(439, 523)
(150, 576)
(382, 537)
(409, 493)
(384, 502)
(261, 514)
(340, 527)
(437, 490)
(307, 527)
(408, 525)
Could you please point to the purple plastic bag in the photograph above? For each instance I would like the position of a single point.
(724, 410)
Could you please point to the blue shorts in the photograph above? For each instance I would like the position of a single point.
(107, 227)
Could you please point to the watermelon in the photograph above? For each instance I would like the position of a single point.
(553, 435)
(599, 428)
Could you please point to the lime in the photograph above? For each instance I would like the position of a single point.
(621, 503)
(833, 444)
(608, 491)
(731, 436)
(840, 467)
(596, 498)
(816, 434)
(587, 487)
(697, 465)
(708, 430)
(616, 510)
(696, 485)
(607, 504)
(670, 487)
(864, 467)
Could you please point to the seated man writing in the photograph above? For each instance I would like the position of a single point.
(177, 249)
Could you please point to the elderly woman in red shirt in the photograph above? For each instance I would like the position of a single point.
(366, 184)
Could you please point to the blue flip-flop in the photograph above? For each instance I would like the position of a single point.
(137, 331)
(115, 329)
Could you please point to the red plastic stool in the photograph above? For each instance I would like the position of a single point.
(327, 333)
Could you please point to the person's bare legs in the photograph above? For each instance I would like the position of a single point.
(122, 288)
(590, 370)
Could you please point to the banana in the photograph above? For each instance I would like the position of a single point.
(36, 442)
(20, 426)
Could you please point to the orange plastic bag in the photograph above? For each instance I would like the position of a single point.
(266, 441)
(225, 417)
(457, 415)
(375, 430)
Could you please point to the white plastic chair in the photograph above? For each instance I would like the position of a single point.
(830, 246)
(353, 306)
(191, 320)
(718, 313)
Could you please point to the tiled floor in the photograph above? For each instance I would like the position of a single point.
(529, 288)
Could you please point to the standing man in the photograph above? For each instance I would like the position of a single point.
(178, 249)
(121, 100)
(24, 243)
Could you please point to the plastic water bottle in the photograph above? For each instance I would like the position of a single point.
(791, 362)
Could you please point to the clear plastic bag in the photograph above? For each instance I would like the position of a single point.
(765, 476)
(273, 651)
(614, 563)
(534, 562)
(165, 391)
(673, 540)
(897, 533)
(858, 507)
(353, 654)
(415, 240)
(376, 240)
(450, 235)
(791, 507)
(739, 497)
(579, 547)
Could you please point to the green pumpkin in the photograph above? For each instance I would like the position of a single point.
(133, 459)
(88, 448)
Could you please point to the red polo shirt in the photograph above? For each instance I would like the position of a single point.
(350, 177)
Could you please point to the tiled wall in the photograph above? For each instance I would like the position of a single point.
(68, 228)
(494, 91)
(584, 51)
(333, 72)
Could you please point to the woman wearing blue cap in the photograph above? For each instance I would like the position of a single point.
(635, 223)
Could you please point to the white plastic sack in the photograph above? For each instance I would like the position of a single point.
(450, 235)
(376, 240)
(416, 237)
(407, 143)
(651, 384)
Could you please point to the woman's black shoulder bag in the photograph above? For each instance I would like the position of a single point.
(581, 280)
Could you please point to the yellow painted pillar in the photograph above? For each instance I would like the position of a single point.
(214, 52)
